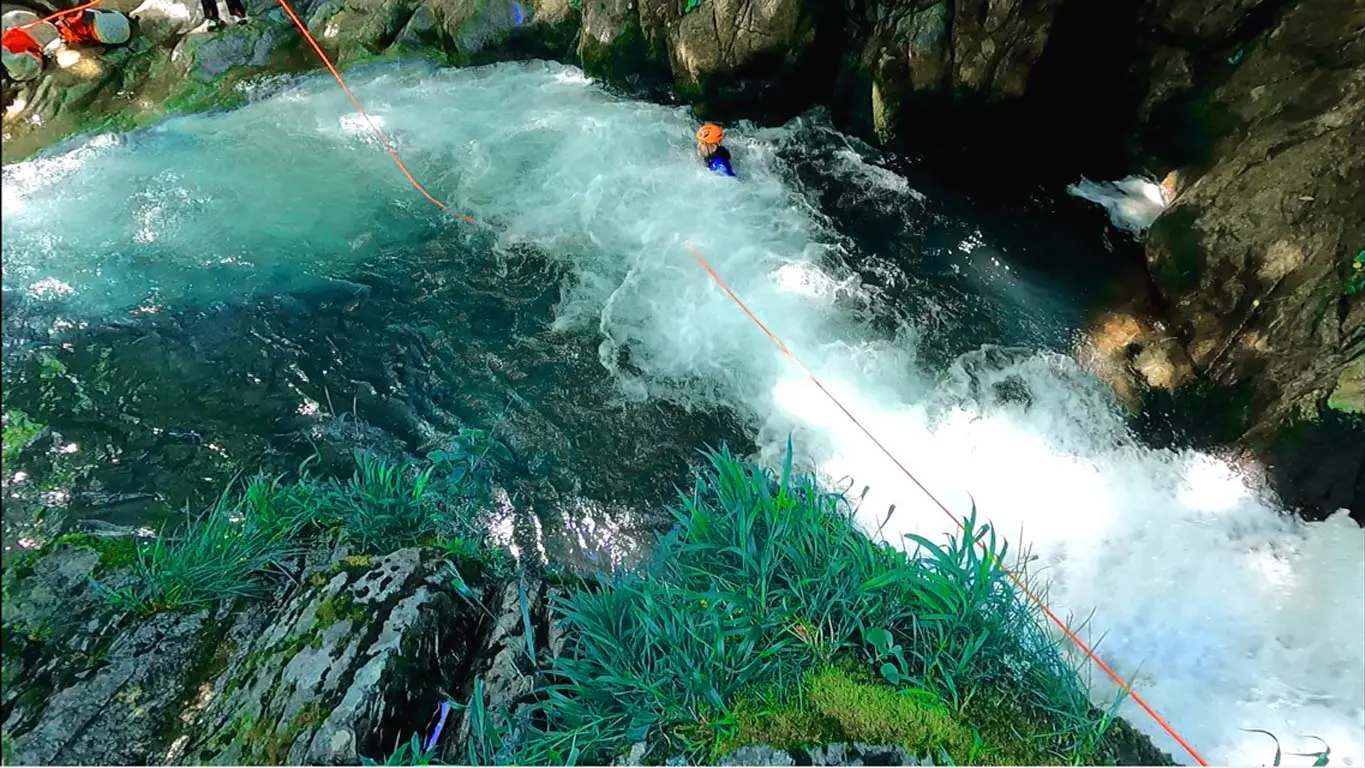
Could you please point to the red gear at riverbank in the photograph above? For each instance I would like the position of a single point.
(92, 27)
(22, 54)
(17, 40)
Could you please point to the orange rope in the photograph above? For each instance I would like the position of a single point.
(379, 134)
(60, 14)
(1010, 574)
(785, 351)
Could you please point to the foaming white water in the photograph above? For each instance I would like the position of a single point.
(1133, 202)
(1231, 614)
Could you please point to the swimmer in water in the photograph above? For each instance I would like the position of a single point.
(712, 151)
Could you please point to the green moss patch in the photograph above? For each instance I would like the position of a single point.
(834, 706)
(266, 743)
(1181, 268)
(114, 551)
(20, 432)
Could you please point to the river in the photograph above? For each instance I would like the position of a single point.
(178, 298)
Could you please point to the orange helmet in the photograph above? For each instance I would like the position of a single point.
(710, 134)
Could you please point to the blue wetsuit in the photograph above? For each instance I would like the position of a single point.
(719, 161)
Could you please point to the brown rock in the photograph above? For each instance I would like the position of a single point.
(928, 50)
(723, 36)
(996, 44)
(1253, 258)
(1202, 20)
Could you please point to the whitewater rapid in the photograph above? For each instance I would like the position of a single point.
(1228, 613)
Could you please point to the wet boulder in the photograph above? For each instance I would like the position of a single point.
(1254, 257)
(165, 21)
(996, 44)
(310, 680)
(613, 44)
(722, 40)
(206, 58)
(85, 685)
(464, 31)
(725, 56)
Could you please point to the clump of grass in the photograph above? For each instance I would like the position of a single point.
(767, 578)
(235, 549)
(410, 752)
(388, 505)
(384, 505)
(224, 555)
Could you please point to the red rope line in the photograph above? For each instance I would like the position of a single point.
(379, 133)
(1085, 648)
(1160, 721)
(60, 14)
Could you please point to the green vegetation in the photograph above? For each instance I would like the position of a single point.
(226, 554)
(235, 549)
(407, 753)
(114, 551)
(839, 705)
(264, 742)
(766, 614)
(1355, 281)
(19, 433)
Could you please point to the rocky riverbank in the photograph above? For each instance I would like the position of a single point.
(1253, 317)
(317, 621)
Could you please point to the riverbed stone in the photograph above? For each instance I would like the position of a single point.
(164, 21)
(208, 58)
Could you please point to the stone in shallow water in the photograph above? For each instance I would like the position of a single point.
(212, 57)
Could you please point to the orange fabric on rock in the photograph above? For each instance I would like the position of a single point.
(79, 30)
(17, 40)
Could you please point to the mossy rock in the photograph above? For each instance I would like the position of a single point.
(114, 551)
(20, 432)
(837, 706)
(145, 84)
